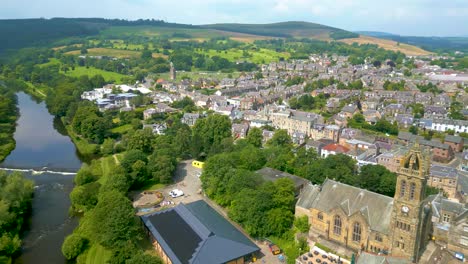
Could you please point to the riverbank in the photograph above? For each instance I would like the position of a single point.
(84, 147)
(8, 119)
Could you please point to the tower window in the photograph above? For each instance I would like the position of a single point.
(402, 188)
(378, 238)
(446, 218)
(412, 190)
(357, 232)
(337, 225)
(320, 216)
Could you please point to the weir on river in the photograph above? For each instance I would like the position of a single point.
(48, 157)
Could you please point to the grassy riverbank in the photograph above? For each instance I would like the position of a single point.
(84, 147)
(9, 115)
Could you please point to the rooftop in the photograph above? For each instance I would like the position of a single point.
(195, 233)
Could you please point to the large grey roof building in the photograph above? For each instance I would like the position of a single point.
(195, 233)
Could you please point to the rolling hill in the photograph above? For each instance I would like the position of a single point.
(290, 29)
(46, 32)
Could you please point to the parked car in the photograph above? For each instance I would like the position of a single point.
(274, 249)
(176, 193)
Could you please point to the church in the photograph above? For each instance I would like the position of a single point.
(366, 221)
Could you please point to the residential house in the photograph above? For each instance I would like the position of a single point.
(316, 145)
(240, 130)
(444, 178)
(349, 111)
(159, 128)
(190, 118)
(195, 233)
(260, 123)
(295, 121)
(404, 120)
(442, 125)
(267, 135)
(370, 105)
(372, 116)
(435, 112)
(457, 143)
(148, 113)
(298, 138)
(333, 149)
(450, 224)
(393, 110)
(392, 159)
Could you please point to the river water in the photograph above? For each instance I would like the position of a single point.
(43, 149)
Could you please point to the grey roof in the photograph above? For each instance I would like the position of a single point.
(270, 174)
(443, 172)
(441, 203)
(195, 233)
(368, 258)
(454, 139)
(374, 207)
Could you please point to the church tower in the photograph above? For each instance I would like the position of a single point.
(172, 72)
(409, 214)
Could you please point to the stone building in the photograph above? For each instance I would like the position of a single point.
(366, 221)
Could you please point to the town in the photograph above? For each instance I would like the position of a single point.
(375, 114)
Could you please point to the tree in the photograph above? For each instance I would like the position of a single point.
(85, 197)
(146, 54)
(107, 147)
(113, 222)
(278, 221)
(144, 258)
(255, 137)
(302, 224)
(141, 140)
(84, 176)
(73, 246)
(413, 130)
(211, 131)
(162, 167)
(280, 139)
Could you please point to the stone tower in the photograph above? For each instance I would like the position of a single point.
(172, 72)
(409, 215)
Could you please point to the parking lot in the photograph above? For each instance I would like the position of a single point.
(186, 179)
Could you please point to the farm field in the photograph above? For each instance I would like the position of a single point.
(108, 76)
(255, 56)
(388, 45)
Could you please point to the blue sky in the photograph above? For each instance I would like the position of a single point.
(406, 17)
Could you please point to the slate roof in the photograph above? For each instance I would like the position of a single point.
(441, 203)
(443, 172)
(195, 233)
(374, 207)
(454, 139)
(270, 174)
(368, 258)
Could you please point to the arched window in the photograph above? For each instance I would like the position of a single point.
(320, 216)
(412, 190)
(337, 225)
(357, 232)
(402, 188)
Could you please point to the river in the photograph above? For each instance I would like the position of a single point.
(44, 150)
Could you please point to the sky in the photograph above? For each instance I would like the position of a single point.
(404, 17)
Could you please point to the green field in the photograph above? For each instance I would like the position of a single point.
(108, 76)
(196, 75)
(122, 129)
(256, 56)
(97, 255)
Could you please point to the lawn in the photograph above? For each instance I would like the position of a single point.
(122, 129)
(196, 75)
(83, 146)
(117, 53)
(98, 255)
(256, 56)
(91, 71)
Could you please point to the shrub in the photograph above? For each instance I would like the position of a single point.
(73, 246)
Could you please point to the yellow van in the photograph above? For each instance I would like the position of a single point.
(198, 164)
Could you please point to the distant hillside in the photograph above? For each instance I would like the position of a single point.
(376, 34)
(286, 30)
(435, 44)
(388, 45)
(20, 33)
